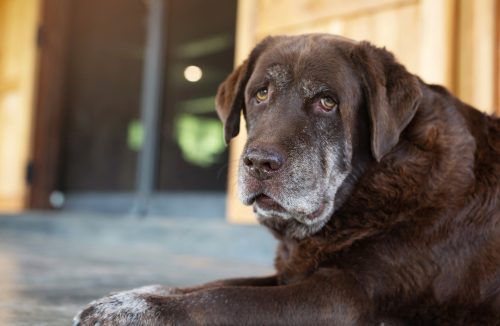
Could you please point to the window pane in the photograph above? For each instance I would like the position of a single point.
(200, 54)
(104, 80)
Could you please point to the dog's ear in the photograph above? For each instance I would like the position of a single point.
(230, 98)
(392, 95)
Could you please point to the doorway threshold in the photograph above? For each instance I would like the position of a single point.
(168, 204)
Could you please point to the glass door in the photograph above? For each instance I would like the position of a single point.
(200, 54)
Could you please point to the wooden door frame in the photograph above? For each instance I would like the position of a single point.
(49, 96)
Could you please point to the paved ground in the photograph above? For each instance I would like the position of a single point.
(52, 264)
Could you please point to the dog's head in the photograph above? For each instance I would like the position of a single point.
(317, 108)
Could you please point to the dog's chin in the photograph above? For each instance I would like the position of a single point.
(288, 223)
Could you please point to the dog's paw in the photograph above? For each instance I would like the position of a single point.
(123, 308)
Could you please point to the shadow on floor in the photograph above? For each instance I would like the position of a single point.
(52, 264)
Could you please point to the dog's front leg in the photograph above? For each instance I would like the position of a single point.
(123, 308)
(324, 298)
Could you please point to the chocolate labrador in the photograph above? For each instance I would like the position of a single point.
(383, 191)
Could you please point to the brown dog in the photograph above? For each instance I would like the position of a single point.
(383, 191)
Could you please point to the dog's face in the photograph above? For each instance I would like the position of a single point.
(298, 152)
(308, 101)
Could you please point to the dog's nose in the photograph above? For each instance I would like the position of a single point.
(262, 163)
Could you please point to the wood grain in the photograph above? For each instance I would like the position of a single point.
(18, 21)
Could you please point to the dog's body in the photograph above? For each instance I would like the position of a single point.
(383, 191)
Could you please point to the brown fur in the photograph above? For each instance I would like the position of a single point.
(415, 235)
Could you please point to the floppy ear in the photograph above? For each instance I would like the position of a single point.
(230, 98)
(392, 95)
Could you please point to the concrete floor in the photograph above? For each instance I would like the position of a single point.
(52, 264)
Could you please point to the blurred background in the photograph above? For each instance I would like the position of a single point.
(113, 169)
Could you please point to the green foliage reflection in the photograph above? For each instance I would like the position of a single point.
(200, 139)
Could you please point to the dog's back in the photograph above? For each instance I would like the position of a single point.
(457, 221)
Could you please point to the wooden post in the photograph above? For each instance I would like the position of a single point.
(245, 40)
(18, 24)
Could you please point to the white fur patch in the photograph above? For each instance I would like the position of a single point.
(270, 213)
(123, 303)
(123, 307)
(280, 75)
(310, 88)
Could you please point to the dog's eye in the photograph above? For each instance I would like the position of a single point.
(262, 94)
(328, 103)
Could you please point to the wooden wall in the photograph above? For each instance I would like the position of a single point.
(476, 53)
(448, 42)
(18, 21)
